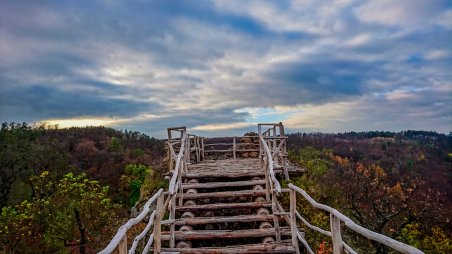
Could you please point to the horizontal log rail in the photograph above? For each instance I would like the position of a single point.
(232, 145)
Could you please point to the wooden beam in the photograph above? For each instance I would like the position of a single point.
(223, 234)
(218, 206)
(237, 249)
(225, 194)
(212, 185)
(220, 219)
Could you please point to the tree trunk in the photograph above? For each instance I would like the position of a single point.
(81, 228)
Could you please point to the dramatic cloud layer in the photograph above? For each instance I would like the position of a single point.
(222, 66)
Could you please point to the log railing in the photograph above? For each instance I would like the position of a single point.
(275, 140)
(336, 219)
(229, 145)
(273, 155)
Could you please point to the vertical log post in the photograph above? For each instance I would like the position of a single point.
(188, 150)
(233, 148)
(202, 147)
(172, 217)
(335, 225)
(122, 247)
(293, 220)
(283, 151)
(275, 218)
(260, 147)
(267, 180)
(198, 150)
(170, 155)
(273, 149)
(157, 225)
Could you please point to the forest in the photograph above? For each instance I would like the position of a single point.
(68, 190)
(398, 184)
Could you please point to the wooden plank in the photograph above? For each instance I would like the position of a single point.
(225, 194)
(223, 234)
(211, 185)
(232, 150)
(220, 219)
(238, 249)
(218, 206)
(219, 144)
(223, 174)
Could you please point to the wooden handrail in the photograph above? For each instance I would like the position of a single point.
(396, 245)
(174, 178)
(270, 164)
(122, 231)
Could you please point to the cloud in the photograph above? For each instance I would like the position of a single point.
(333, 65)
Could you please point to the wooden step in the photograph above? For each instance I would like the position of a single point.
(224, 206)
(239, 249)
(219, 219)
(224, 194)
(223, 234)
(212, 185)
(224, 174)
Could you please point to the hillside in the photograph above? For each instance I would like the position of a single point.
(71, 187)
(399, 184)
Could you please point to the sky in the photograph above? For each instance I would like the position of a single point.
(220, 67)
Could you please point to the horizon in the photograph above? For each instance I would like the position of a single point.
(211, 135)
(223, 66)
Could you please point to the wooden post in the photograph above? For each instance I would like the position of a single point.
(283, 151)
(233, 148)
(275, 217)
(157, 225)
(335, 225)
(260, 146)
(293, 220)
(172, 217)
(202, 147)
(122, 247)
(170, 156)
(188, 144)
(274, 142)
(198, 150)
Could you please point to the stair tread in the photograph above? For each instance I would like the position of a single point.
(242, 249)
(223, 234)
(223, 206)
(223, 174)
(224, 194)
(220, 219)
(222, 184)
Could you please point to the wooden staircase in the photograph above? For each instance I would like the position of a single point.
(223, 209)
(232, 205)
